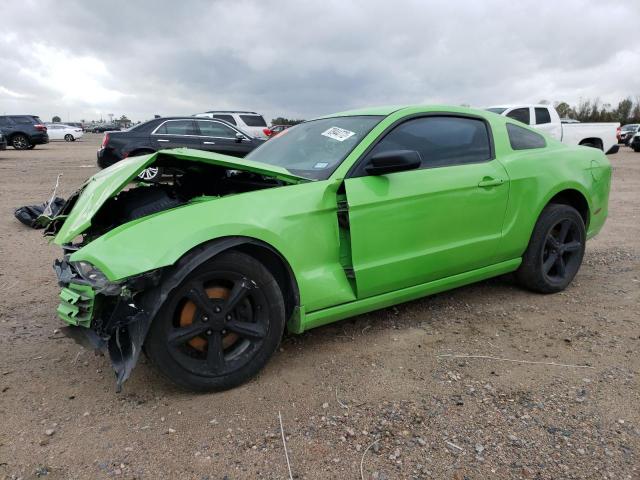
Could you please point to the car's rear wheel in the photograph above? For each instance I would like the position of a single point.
(20, 142)
(220, 326)
(555, 251)
(69, 138)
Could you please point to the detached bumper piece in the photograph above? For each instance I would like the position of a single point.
(77, 304)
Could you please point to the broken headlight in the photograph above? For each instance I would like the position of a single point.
(89, 272)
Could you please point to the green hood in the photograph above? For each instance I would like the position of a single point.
(109, 182)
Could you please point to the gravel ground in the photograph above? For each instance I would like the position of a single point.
(370, 393)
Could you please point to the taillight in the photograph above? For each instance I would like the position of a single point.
(40, 127)
(105, 140)
(267, 132)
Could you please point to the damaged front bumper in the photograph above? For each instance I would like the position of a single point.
(104, 315)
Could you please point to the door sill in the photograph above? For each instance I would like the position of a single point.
(305, 321)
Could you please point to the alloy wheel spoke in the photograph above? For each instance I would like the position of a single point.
(198, 296)
(549, 262)
(238, 292)
(553, 242)
(560, 266)
(182, 335)
(215, 352)
(564, 230)
(246, 329)
(572, 246)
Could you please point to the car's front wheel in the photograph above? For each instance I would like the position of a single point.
(555, 251)
(69, 138)
(220, 326)
(20, 142)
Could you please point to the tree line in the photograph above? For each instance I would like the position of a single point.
(627, 111)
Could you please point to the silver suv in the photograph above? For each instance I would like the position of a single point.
(250, 122)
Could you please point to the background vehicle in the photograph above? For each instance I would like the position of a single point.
(105, 128)
(3, 141)
(60, 131)
(627, 132)
(546, 119)
(23, 131)
(276, 129)
(161, 133)
(250, 122)
(340, 216)
(634, 142)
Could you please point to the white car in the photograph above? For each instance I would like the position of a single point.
(59, 131)
(249, 122)
(546, 119)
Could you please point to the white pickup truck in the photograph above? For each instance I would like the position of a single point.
(546, 119)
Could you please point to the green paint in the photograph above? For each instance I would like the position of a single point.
(76, 305)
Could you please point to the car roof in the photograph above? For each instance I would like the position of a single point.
(520, 105)
(388, 110)
(231, 111)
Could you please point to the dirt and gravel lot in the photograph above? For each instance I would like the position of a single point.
(342, 387)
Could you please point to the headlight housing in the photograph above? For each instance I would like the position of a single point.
(89, 273)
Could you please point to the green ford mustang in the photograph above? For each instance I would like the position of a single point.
(332, 218)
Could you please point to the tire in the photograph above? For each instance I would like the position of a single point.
(69, 138)
(202, 310)
(636, 149)
(20, 142)
(555, 250)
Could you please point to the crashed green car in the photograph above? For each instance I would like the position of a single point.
(332, 218)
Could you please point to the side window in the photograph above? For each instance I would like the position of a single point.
(226, 118)
(542, 116)
(177, 127)
(523, 139)
(22, 120)
(441, 141)
(4, 122)
(520, 114)
(215, 129)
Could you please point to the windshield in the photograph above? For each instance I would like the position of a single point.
(314, 149)
(497, 110)
(629, 127)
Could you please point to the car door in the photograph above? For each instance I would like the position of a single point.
(445, 218)
(175, 133)
(55, 132)
(218, 137)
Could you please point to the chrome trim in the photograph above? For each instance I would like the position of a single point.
(201, 136)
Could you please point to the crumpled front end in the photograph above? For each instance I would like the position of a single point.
(104, 315)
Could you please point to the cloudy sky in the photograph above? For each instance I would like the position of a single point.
(83, 60)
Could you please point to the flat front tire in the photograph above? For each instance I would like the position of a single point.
(220, 326)
(555, 250)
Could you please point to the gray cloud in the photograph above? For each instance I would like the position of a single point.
(304, 59)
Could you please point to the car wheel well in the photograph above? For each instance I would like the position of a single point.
(592, 142)
(574, 199)
(278, 267)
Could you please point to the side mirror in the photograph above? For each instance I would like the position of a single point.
(239, 137)
(393, 161)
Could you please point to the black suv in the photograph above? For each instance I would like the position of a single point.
(3, 141)
(23, 131)
(200, 133)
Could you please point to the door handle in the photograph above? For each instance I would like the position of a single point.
(209, 143)
(490, 182)
(162, 140)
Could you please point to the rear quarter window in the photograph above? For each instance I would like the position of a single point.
(253, 120)
(523, 139)
(226, 118)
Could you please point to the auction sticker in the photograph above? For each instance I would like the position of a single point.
(339, 134)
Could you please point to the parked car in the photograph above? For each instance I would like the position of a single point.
(546, 119)
(60, 131)
(249, 122)
(340, 216)
(171, 132)
(634, 142)
(276, 129)
(105, 128)
(3, 141)
(627, 132)
(23, 131)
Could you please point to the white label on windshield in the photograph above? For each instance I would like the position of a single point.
(339, 134)
(321, 165)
